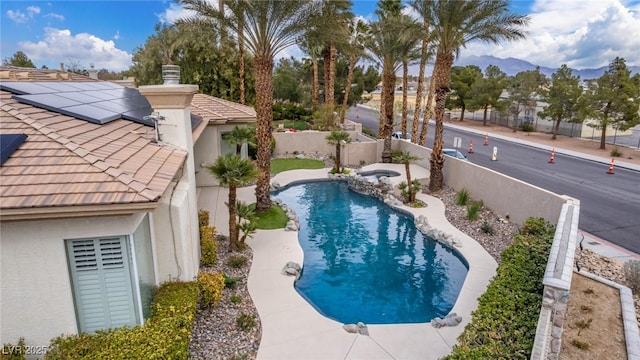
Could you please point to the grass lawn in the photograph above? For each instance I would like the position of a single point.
(275, 218)
(280, 165)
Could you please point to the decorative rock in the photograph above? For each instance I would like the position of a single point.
(450, 320)
(292, 269)
(351, 328)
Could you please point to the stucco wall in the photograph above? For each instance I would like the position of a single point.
(361, 147)
(36, 298)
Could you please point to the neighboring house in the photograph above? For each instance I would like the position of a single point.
(95, 212)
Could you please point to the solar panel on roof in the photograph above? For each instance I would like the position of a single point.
(98, 102)
(94, 101)
(8, 144)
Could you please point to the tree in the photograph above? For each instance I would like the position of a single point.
(406, 158)
(233, 172)
(246, 221)
(455, 24)
(359, 31)
(423, 10)
(192, 46)
(409, 53)
(371, 79)
(385, 49)
(523, 90)
(19, 59)
(486, 91)
(613, 99)
(563, 98)
(462, 81)
(268, 27)
(238, 136)
(311, 47)
(338, 138)
(288, 81)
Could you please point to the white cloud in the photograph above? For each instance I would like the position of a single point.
(17, 16)
(117, 35)
(585, 34)
(32, 10)
(58, 17)
(59, 45)
(174, 13)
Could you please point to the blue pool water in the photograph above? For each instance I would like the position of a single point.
(364, 261)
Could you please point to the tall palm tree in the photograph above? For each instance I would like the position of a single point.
(313, 50)
(359, 32)
(267, 27)
(333, 22)
(238, 136)
(406, 158)
(421, 8)
(338, 138)
(233, 172)
(409, 52)
(455, 24)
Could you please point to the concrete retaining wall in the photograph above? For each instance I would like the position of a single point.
(361, 148)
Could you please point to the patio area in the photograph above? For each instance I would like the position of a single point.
(293, 329)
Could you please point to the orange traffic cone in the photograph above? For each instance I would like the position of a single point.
(611, 167)
(486, 139)
(552, 159)
(470, 146)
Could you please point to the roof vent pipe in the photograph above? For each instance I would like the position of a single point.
(171, 74)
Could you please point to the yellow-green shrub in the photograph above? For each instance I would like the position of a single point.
(208, 246)
(165, 335)
(203, 218)
(211, 285)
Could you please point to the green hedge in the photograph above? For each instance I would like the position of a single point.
(504, 324)
(165, 335)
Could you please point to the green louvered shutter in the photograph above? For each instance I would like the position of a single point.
(101, 276)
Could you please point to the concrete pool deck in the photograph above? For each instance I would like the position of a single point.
(293, 329)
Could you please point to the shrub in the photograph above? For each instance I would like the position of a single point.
(462, 197)
(527, 127)
(230, 281)
(473, 210)
(14, 352)
(632, 274)
(487, 228)
(237, 261)
(537, 227)
(203, 218)
(211, 285)
(580, 344)
(245, 322)
(615, 152)
(236, 299)
(504, 324)
(166, 335)
(208, 246)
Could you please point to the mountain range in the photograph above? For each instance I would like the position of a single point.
(512, 66)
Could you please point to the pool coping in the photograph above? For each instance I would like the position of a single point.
(293, 329)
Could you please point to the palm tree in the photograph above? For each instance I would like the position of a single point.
(409, 52)
(313, 50)
(359, 32)
(454, 24)
(238, 136)
(426, 53)
(333, 25)
(246, 222)
(233, 172)
(267, 27)
(338, 138)
(406, 158)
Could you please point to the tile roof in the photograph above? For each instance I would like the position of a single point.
(68, 163)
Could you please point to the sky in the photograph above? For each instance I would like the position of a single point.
(579, 33)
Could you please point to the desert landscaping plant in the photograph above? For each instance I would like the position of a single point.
(338, 138)
(407, 158)
(473, 210)
(462, 197)
(245, 322)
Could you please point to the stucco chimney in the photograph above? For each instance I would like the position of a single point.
(93, 73)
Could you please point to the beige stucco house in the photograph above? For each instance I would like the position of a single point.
(96, 206)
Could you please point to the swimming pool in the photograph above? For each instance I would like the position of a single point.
(364, 261)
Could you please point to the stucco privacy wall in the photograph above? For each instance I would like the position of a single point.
(34, 270)
(503, 194)
(361, 148)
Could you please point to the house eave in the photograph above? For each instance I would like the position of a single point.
(63, 212)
